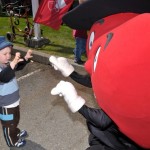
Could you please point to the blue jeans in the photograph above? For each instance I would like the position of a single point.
(79, 48)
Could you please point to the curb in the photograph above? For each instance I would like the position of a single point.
(41, 57)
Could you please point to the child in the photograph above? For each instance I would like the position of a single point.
(9, 94)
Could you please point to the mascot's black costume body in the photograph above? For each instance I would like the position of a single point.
(119, 73)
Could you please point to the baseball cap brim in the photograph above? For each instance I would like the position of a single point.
(5, 44)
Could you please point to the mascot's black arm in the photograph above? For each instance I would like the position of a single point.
(81, 79)
(97, 117)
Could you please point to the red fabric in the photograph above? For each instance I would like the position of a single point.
(120, 74)
(50, 12)
(80, 33)
(106, 24)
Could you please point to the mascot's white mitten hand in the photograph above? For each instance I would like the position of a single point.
(68, 91)
(62, 65)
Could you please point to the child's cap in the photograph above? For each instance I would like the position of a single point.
(4, 43)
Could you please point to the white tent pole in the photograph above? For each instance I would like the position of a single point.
(37, 31)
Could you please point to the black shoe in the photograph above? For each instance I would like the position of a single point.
(20, 143)
(80, 62)
(23, 134)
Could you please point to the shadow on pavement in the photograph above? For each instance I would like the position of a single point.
(30, 145)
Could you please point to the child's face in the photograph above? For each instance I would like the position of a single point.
(5, 55)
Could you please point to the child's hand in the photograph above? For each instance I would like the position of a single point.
(16, 60)
(28, 55)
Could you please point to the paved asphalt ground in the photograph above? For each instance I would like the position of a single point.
(49, 122)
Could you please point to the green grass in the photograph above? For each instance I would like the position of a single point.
(62, 42)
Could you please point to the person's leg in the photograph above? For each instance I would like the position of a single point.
(83, 45)
(75, 50)
(78, 50)
(10, 119)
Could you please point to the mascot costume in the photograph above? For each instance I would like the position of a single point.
(118, 63)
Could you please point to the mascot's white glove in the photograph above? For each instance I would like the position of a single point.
(62, 65)
(68, 91)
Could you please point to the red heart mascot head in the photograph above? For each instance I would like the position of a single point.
(119, 64)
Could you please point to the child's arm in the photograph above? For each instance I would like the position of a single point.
(15, 61)
(28, 55)
(25, 61)
(7, 74)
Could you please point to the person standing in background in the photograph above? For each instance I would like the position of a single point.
(80, 42)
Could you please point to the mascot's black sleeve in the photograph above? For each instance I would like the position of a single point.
(83, 16)
(105, 130)
(97, 117)
(81, 79)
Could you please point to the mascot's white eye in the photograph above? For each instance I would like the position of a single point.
(96, 58)
(91, 40)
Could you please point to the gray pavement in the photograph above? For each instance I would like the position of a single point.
(49, 122)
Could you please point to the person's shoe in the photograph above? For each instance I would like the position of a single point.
(23, 134)
(80, 62)
(20, 143)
